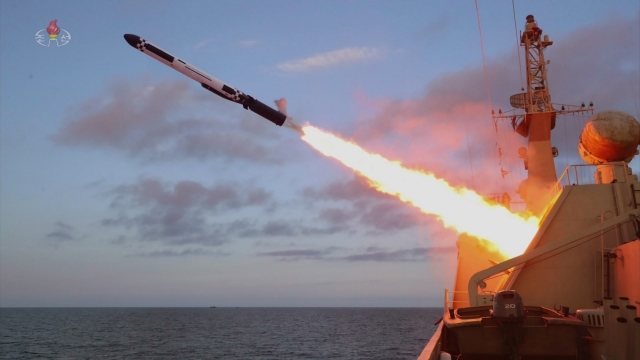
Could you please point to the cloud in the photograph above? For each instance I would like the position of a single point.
(249, 43)
(333, 58)
(332, 229)
(180, 214)
(183, 253)
(357, 203)
(375, 254)
(292, 228)
(187, 212)
(204, 43)
(62, 233)
(392, 215)
(336, 215)
(435, 27)
(63, 226)
(278, 228)
(185, 194)
(405, 255)
(147, 121)
(295, 254)
(356, 188)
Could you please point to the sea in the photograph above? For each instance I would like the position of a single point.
(215, 333)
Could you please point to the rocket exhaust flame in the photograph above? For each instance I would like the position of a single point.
(460, 209)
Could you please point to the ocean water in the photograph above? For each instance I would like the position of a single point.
(220, 333)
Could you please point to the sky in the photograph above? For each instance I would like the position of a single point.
(124, 183)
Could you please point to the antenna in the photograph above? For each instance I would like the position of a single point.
(534, 116)
(536, 98)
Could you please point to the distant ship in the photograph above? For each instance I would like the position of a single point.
(575, 292)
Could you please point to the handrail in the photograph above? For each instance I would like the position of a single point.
(579, 238)
(448, 292)
(565, 178)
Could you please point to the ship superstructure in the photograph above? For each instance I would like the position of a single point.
(575, 292)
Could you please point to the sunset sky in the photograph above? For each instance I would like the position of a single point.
(124, 183)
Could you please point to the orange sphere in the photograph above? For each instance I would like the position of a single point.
(609, 136)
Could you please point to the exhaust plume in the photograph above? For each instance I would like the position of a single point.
(458, 208)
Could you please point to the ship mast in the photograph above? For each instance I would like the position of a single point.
(538, 119)
(538, 98)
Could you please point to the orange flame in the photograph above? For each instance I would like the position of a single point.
(460, 209)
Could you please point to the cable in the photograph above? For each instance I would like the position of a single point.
(484, 63)
(486, 81)
(515, 26)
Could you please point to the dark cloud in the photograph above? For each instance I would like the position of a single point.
(184, 213)
(119, 240)
(361, 204)
(177, 214)
(63, 226)
(435, 27)
(356, 188)
(336, 215)
(146, 121)
(332, 229)
(187, 194)
(62, 233)
(376, 254)
(278, 228)
(281, 228)
(291, 255)
(405, 255)
(392, 215)
(186, 252)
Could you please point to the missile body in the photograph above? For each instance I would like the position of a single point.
(207, 81)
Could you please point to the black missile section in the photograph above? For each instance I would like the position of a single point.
(249, 103)
(265, 111)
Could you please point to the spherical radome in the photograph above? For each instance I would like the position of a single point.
(609, 136)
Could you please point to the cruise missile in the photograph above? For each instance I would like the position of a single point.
(207, 81)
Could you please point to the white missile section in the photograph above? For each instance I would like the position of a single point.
(207, 81)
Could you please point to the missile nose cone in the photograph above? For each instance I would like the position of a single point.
(133, 40)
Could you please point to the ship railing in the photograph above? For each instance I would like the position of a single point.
(585, 174)
(449, 299)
